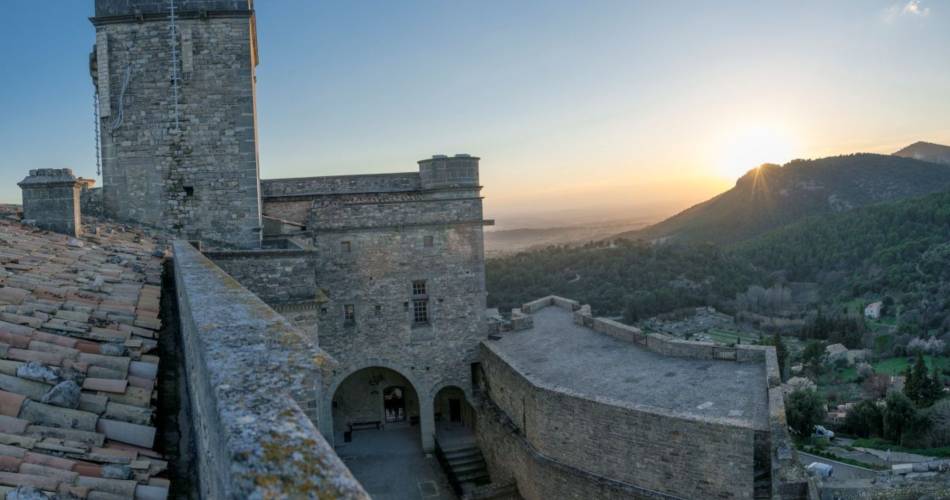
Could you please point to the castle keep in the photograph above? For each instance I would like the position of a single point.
(333, 335)
(178, 126)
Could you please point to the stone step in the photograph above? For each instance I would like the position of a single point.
(460, 462)
(463, 453)
(473, 466)
(474, 477)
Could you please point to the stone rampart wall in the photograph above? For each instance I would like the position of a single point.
(649, 450)
(275, 276)
(254, 382)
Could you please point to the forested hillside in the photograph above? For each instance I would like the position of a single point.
(900, 250)
(772, 196)
(646, 279)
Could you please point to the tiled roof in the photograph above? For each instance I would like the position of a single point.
(79, 322)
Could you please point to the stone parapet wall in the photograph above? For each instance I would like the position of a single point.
(110, 8)
(341, 184)
(254, 382)
(789, 480)
(648, 448)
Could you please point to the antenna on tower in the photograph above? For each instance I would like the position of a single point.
(174, 43)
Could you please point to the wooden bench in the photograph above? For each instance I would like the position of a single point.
(354, 426)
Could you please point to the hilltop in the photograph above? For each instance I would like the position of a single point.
(771, 196)
(926, 151)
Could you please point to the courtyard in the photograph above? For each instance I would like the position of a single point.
(391, 465)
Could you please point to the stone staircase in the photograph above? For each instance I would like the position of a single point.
(467, 466)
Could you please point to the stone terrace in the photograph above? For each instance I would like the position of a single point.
(562, 355)
(79, 319)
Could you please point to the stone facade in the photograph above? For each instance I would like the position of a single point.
(386, 243)
(189, 167)
(51, 200)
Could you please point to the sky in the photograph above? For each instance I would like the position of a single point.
(597, 109)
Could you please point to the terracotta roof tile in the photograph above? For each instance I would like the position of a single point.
(89, 313)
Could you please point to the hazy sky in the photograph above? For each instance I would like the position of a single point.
(571, 105)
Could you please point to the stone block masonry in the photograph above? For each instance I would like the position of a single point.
(400, 263)
(199, 180)
(277, 277)
(254, 382)
(580, 407)
(51, 198)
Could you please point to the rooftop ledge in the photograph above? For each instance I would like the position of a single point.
(252, 380)
(556, 343)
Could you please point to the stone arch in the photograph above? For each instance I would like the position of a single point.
(442, 384)
(419, 385)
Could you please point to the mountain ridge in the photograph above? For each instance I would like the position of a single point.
(770, 196)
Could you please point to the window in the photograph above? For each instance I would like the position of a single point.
(379, 309)
(189, 191)
(420, 303)
(346, 246)
(420, 312)
(349, 314)
(427, 242)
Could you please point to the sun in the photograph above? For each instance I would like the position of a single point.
(748, 147)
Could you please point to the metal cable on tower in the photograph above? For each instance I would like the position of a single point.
(174, 44)
(95, 112)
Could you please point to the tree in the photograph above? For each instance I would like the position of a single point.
(921, 387)
(899, 416)
(865, 419)
(812, 354)
(804, 410)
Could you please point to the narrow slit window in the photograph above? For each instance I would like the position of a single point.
(349, 314)
(346, 246)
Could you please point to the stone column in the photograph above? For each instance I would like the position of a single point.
(426, 422)
(51, 200)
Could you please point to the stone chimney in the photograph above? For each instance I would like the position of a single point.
(51, 200)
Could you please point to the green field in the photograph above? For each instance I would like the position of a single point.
(880, 444)
(889, 366)
(896, 366)
(729, 337)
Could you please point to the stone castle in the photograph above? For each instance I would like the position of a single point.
(330, 313)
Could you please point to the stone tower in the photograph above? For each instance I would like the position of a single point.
(177, 116)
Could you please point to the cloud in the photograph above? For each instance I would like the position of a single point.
(913, 8)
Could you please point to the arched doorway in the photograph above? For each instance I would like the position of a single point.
(453, 415)
(374, 399)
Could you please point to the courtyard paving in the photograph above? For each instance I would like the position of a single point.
(391, 465)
